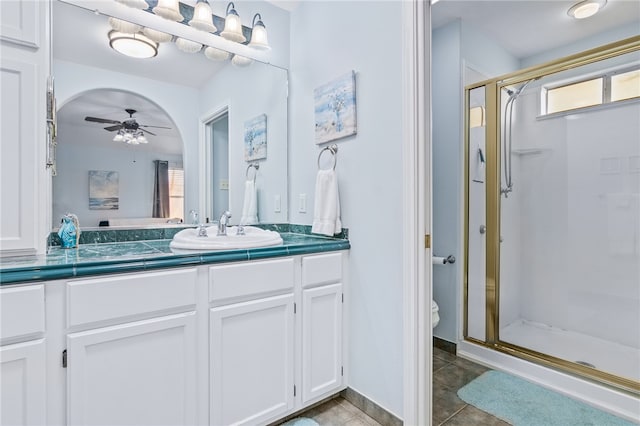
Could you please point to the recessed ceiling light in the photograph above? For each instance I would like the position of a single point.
(586, 8)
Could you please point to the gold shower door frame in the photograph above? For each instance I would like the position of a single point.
(493, 89)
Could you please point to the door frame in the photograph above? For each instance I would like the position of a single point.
(416, 203)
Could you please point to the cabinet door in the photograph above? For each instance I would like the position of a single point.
(24, 182)
(22, 388)
(251, 361)
(140, 373)
(321, 341)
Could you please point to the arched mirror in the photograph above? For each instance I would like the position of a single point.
(120, 161)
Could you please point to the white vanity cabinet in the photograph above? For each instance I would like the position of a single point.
(251, 341)
(22, 356)
(133, 357)
(322, 327)
(24, 68)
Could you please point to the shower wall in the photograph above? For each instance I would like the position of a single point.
(572, 224)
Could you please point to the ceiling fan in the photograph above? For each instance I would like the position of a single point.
(129, 125)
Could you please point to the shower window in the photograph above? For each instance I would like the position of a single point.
(625, 86)
(618, 85)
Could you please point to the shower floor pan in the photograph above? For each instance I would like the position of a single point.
(603, 355)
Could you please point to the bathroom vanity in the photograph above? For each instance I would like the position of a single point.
(151, 337)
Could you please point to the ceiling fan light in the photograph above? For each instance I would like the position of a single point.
(124, 26)
(136, 4)
(142, 139)
(119, 137)
(133, 45)
(202, 19)
(233, 26)
(216, 54)
(188, 45)
(157, 36)
(168, 9)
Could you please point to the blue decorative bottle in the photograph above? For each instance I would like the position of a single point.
(69, 232)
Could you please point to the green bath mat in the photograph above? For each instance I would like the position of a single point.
(524, 404)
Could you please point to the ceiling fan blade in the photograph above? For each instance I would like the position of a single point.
(101, 120)
(113, 128)
(146, 131)
(157, 127)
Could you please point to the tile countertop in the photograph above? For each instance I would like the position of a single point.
(135, 256)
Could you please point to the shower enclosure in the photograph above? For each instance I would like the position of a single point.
(552, 272)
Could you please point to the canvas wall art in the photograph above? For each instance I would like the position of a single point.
(335, 109)
(255, 138)
(103, 190)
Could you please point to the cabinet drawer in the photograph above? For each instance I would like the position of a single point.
(243, 280)
(321, 269)
(21, 311)
(122, 296)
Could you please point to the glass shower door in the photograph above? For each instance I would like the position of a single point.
(569, 287)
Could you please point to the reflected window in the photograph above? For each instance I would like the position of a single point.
(176, 192)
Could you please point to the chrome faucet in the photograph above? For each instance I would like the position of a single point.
(222, 224)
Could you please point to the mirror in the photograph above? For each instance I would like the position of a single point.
(187, 93)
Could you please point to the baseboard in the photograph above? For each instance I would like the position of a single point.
(370, 408)
(445, 345)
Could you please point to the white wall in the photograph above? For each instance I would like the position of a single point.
(249, 92)
(220, 165)
(179, 102)
(328, 40)
(455, 46)
(71, 185)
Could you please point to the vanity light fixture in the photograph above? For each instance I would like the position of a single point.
(216, 54)
(168, 9)
(136, 4)
(232, 25)
(187, 46)
(124, 26)
(202, 19)
(241, 61)
(134, 45)
(586, 8)
(157, 36)
(259, 34)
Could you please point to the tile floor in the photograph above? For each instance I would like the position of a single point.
(339, 412)
(450, 373)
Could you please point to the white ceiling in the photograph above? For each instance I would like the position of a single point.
(529, 27)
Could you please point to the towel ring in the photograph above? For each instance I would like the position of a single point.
(256, 166)
(333, 149)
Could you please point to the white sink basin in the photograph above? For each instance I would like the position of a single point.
(188, 239)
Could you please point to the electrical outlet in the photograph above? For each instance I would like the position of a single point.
(302, 203)
(277, 204)
(224, 184)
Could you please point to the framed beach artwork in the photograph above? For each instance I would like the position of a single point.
(255, 138)
(335, 108)
(103, 190)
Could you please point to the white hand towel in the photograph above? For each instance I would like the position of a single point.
(250, 206)
(326, 215)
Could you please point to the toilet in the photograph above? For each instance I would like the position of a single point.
(435, 317)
